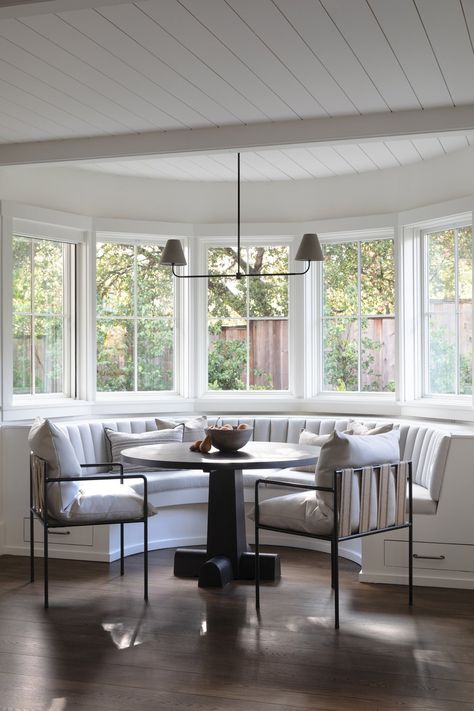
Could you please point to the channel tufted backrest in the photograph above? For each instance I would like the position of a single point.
(427, 449)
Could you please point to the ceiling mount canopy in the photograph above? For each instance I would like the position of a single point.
(308, 251)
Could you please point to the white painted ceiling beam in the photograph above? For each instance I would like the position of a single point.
(355, 129)
(19, 8)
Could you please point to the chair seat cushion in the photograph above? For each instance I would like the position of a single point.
(297, 512)
(105, 501)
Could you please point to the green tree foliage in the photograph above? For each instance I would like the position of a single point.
(232, 303)
(135, 319)
(358, 285)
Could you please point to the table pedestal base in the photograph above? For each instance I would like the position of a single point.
(217, 571)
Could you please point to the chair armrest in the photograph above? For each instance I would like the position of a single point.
(292, 485)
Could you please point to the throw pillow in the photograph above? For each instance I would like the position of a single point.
(343, 451)
(314, 440)
(106, 500)
(191, 430)
(122, 440)
(49, 442)
(358, 428)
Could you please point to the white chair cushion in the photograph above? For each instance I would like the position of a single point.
(105, 501)
(122, 440)
(192, 430)
(50, 443)
(297, 512)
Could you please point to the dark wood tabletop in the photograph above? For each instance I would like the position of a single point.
(255, 455)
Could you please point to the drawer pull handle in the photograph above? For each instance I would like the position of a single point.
(429, 557)
(59, 533)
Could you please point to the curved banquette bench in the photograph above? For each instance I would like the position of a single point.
(426, 447)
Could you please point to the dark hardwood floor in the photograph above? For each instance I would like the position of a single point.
(99, 647)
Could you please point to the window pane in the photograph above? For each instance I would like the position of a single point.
(227, 360)
(48, 355)
(441, 269)
(227, 298)
(378, 355)
(21, 275)
(268, 367)
(114, 279)
(465, 309)
(48, 275)
(154, 283)
(340, 354)
(377, 277)
(155, 354)
(115, 370)
(268, 296)
(442, 350)
(22, 369)
(340, 279)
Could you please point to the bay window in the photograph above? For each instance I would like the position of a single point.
(248, 320)
(357, 318)
(135, 318)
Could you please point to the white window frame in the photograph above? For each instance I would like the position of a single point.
(371, 235)
(40, 223)
(446, 223)
(179, 289)
(295, 329)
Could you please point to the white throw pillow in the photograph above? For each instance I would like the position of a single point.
(344, 451)
(358, 428)
(123, 440)
(314, 440)
(191, 430)
(106, 501)
(49, 442)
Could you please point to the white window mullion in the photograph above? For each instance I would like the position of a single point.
(135, 322)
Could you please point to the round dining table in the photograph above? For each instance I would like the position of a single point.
(227, 556)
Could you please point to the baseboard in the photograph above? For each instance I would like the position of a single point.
(455, 581)
(97, 556)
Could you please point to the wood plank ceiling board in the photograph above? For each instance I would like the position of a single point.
(286, 165)
(332, 160)
(446, 27)
(453, 143)
(257, 163)
(379, 154)
(247, 46)
(404, 151)
(209, 48)
(27, 71)
(356, 157)
(32, 127)
(54, 41)
(319, 32)
(403, 29)
(304, 158)
(357, 24)
(428, 147)
(142, 69)
(153, 51)
(273, 29)
(37, 95)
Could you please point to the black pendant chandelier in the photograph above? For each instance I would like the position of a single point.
(308, 251)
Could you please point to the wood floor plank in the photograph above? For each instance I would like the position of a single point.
(100, 648)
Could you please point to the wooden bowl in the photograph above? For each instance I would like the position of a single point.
(229, 440)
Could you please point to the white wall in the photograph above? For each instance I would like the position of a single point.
(377, 192)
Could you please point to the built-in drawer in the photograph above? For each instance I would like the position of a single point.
(73, 536)
(433, 556)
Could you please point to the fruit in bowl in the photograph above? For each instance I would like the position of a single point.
(225, 438)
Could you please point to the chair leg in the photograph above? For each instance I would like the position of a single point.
(145, 558)
(336, 581)
(122, 549)
(410, 565)
(257, 569)
(32, 548)
(333, 577)
(45, 562)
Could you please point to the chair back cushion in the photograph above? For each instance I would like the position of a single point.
(50, 443)
(343, 451)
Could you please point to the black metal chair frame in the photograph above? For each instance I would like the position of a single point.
(334, 538)
(48, 522)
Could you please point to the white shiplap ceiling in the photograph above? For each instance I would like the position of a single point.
(300, 163)
(77, 68)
